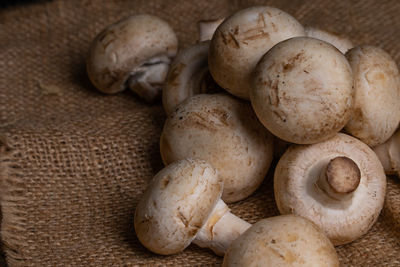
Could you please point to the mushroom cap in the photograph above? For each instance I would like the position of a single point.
(240, 41)
(286, 240)
(176, 204)
(339, 41)
(225, 132)
(186, 76)
(377, 95)
(302, 90)
(125, 45)
(297, 192)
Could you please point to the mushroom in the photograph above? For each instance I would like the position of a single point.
(377, 95)
(225, 132)
(282, 241)
(339, 184)
(182, 204)
(241, 40)
(207, 28)
(134, 52)
(339, 41)
(302, 90)
(188, 76)
(389, 154)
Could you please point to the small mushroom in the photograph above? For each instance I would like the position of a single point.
(207, 28)
(302, 90)
(282, 241)
(339, 184)
(188, 76)
(241, 40)
(134, 52)
(389, 154)
(181, 205)
(377, 95)
(225, 132)
(339, 41)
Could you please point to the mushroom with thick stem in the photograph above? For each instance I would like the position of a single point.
(303, 90)
(377, 95)
(285, 240)
(339, 184)
(207, 28)
(181, 205)
(339, 41)
(241, 40)
(225, 132)
(389, 154)
(134, 52)
(188, 76)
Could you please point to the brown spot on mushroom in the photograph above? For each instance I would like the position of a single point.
(165, 182)
(235, 41)
(182, 218)
(175, 73)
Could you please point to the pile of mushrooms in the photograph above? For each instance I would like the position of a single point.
(255, 76)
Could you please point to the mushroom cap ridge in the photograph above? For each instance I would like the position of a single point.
(342, 220)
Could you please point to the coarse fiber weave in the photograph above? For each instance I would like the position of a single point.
(74, 162)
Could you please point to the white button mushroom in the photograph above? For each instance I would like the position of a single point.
(225, 132)
(207, 28)
(302, 90)
(377, 95)
(134, 52)
(389, 154)
(182, 205)
(338, 184)
(340, 42)
(282, 241)
(241, 40)
(188, 76)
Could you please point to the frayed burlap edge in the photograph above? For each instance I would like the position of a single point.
(12, 199)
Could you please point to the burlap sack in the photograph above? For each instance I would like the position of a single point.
(74, 162)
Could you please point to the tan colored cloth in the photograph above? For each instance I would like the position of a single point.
(74, 162)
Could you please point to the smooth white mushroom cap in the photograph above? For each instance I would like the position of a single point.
(297, 191)
(302, 90)
(377, 95)
(176, 204)
(282, 241)
(124, 47)
(339, 41)
(225, 132)
(241, 40)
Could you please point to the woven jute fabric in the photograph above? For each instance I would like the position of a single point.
(74, 162)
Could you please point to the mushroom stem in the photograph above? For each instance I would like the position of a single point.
(147, 79)
(389, 154)
(221, 229)
(339, 178)
(207, 28)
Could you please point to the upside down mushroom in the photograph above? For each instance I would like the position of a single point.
(338, 184)
(181, 205)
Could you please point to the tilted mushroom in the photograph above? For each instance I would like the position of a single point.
(389, 154)
(339, 41)
(377, 95)
(134, 52)
(207, 28)
(181, 205)
(339, 184)
(188, 76)
(282, 241)
(302, 90)
(241, 40)
(225, 132)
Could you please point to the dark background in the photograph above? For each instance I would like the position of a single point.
(7, 3)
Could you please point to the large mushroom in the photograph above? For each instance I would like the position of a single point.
(339, 184)
(241, 40)
(134, 52)
(377, 95)
(302, 90)
(225, 132)
(181, 205)
(282, 241)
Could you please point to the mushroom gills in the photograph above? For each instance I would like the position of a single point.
(147, 79)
